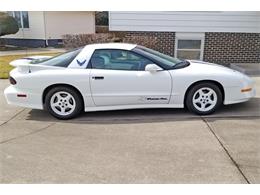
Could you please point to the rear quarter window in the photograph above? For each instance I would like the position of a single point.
(62, 60)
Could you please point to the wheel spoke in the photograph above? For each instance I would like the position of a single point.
(67, 97)
(70, 105)
(56, 104)
(209, 93)
(62, 110)
(58, 95)
(201, 92)
(212, 101)
(203, 105)
(196, 100)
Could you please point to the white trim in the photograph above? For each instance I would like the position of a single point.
(21, 18)
(190, 36)
(44, 27)
(109, 20)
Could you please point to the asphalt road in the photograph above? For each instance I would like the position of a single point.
(133, 146)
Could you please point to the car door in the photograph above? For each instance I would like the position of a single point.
(118, 77)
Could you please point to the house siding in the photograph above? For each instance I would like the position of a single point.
(221, 21)
(68, 22)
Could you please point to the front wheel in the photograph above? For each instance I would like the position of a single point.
(63, 103)
(204, 98)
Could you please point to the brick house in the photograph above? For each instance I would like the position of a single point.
(219, 36)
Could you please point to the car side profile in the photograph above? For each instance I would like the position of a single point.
(114, 76)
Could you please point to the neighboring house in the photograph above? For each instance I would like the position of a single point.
(220, 37)
(45, 28)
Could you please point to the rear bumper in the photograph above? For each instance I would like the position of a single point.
(32, 100)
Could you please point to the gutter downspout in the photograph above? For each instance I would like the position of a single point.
(45, 34)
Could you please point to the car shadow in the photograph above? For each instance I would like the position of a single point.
(250, 109)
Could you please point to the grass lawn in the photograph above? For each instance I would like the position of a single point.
(5, 60)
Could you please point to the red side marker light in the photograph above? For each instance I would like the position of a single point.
(21, 95)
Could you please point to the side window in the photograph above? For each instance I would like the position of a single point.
(115, 59)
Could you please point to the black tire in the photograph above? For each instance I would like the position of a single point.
(78, 104)
(189, 98)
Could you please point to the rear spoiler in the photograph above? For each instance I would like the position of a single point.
(24, 64)
(27, 60)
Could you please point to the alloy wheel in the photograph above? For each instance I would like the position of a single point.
(204, 99)
(62, 103)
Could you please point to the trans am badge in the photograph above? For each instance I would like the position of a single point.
(144, 98)
(81, 63)
(155, 98)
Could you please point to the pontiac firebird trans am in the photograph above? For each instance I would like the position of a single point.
(116, 76)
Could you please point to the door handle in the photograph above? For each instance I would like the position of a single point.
(98, 77)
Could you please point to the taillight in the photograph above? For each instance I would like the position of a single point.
(12, 80)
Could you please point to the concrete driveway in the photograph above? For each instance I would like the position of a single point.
(134, 146)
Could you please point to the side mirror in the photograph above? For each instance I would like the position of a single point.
(152, 68)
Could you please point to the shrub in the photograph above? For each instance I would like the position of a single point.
(73, 41)
(102, 29)
(8, 24)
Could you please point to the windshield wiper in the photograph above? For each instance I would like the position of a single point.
(181, 64)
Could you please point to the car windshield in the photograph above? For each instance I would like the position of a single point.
(62, 60)
(163, 58)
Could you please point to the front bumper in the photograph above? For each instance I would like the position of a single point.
(235, 95)
(32, 100)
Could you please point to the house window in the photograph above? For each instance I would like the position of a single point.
(189, 46)
(21, 17)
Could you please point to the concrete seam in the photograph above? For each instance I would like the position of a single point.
(31, 133)
(12, 117)
(225, 149)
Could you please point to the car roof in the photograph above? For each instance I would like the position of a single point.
(125, 46)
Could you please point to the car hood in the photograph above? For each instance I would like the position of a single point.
(210, 66)
(205, 63)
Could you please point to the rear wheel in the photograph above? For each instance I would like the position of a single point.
(63, 102)
(204, 98)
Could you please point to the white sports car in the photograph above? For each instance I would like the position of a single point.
(116, 76)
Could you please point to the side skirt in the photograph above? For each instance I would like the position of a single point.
(124, 107)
